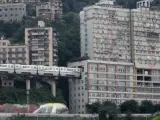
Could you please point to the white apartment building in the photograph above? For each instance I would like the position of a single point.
(123, 47)
(42, 45)
(105, 33)
(101, 81)
(144, 3)
(146, 36)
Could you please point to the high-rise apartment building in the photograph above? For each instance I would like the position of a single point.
(12, 12)
(146, 52)
(14, 54)
(42, 45)
(123, 47)
(105, 33)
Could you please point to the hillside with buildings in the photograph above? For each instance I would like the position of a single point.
(116, 44)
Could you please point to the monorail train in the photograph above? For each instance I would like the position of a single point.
(52, 108)
(40, 70)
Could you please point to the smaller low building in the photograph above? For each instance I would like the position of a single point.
(101, 81)
(12, 12)
(46, 10)
(14, 54)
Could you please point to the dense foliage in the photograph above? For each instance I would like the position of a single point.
(127, 107)
(15, 95)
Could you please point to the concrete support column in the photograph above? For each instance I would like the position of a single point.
(53, 87)
(27, 92)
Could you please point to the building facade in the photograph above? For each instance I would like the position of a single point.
(123, 47)
(12, 12)
(101, 81)
(146, 35)
(46, 10)
(105, 33)
(14, 54)
(42, 45)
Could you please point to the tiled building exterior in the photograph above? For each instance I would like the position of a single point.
(42, 45)
(118, 39)
(14, 54)
(100, 81)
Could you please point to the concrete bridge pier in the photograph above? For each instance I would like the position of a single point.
(53, 87)
(28, 92)
(52, 82)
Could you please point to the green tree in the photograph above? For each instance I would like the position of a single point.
(157, 108)
(128, 116)
(156, 117)
(68, 35)
(108, 111)
(146, 107)
(129, 106)
(93, 108)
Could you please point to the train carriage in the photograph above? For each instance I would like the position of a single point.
(8, 68)
(26, 69)
(41, 69)
(51, 70)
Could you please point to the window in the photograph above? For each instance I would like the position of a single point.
(10, 84)
(49, 110)
(42, 110)
(11, 9)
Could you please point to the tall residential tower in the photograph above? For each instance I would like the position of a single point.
(42, 45)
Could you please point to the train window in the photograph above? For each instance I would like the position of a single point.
(56, 68)
(42, 110)
(61, 68)
(49, 110)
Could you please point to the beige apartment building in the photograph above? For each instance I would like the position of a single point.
(42, 45)
(49, 10)
(46, 10)
(14, 54)
(146, 52)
